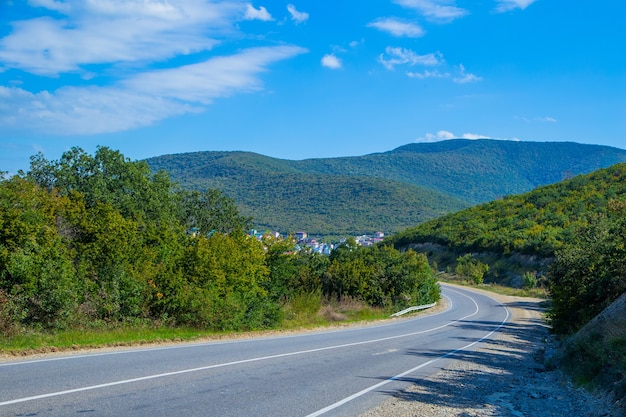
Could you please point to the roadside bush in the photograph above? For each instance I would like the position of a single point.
(470, 267)
(529, 280)
(9, 318)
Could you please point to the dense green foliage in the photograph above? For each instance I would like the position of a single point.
(381, 275)
(281, 198)
(596, 355)
(589, 272)
(579, 223)
(536, 223)
(102, 241)
(387, 191)
(470, 267)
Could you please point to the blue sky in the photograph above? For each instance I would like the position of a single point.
(305, 78)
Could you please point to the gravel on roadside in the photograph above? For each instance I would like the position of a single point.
(505, 376)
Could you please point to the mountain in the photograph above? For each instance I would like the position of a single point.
(475, 171)
(281, 197)
(386, 191)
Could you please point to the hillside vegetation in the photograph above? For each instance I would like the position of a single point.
(93, 242)
(578, 225)
(279, 197)
(533, 223)
(570, 237)
(387, 191)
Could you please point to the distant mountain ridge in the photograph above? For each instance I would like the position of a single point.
(386, 191)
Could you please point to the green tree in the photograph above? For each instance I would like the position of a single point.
(211, 211)
(529, 280)
(470, 267)
(284, 270)
(36, 271)
(227, 275)
(108, 177)
(589, 273)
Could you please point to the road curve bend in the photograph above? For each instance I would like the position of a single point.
(331, 373)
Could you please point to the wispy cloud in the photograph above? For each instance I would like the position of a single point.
(140, 100)
(543, 119)
(296, 16)
(397, 27)
(441, 11)
(464, 77)
(428, 74)
(446, 135)
(508, 5)
(394, 56)
(331, 61)
(123, 38)
(112, 32)
(216, 77)
(257, 14)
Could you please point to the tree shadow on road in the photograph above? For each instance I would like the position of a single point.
(500, 376)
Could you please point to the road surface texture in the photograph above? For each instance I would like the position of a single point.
(504, 377)
(432, 360)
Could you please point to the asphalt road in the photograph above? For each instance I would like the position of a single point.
(331, 373)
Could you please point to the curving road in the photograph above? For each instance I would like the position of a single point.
(331, 373)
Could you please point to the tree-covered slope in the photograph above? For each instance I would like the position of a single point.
(476, 171)
(385, 191)
(536, 223)
(281, 197)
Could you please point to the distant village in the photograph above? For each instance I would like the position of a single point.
(303, 240)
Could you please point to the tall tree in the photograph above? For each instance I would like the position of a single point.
(211, 211)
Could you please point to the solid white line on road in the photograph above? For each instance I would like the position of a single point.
(405, 373)
(221, 365)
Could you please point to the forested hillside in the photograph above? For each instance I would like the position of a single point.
(579, 225)
(279, 197)
(386, 191)
(536, 223)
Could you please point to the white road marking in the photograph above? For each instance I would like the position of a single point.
(263, 358)
(385, 352)
(405, 373)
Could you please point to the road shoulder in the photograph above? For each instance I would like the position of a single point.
(505, 376)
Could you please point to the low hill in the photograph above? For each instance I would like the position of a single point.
(533, 224)
(281, 197)
(386, 191)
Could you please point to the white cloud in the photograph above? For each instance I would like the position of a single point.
(257, 14)
(442, 135)
(91, 110)
(216, 77)
(508, 5)
(113, 32)
(473, 136)
(442, 11)
(397, 27)
(331, 61)
(464, 77)
(394, 56)
(547, 119)
(58, 6)
(296, 16)
(428, 74)
(141, 100)
(446, 135)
